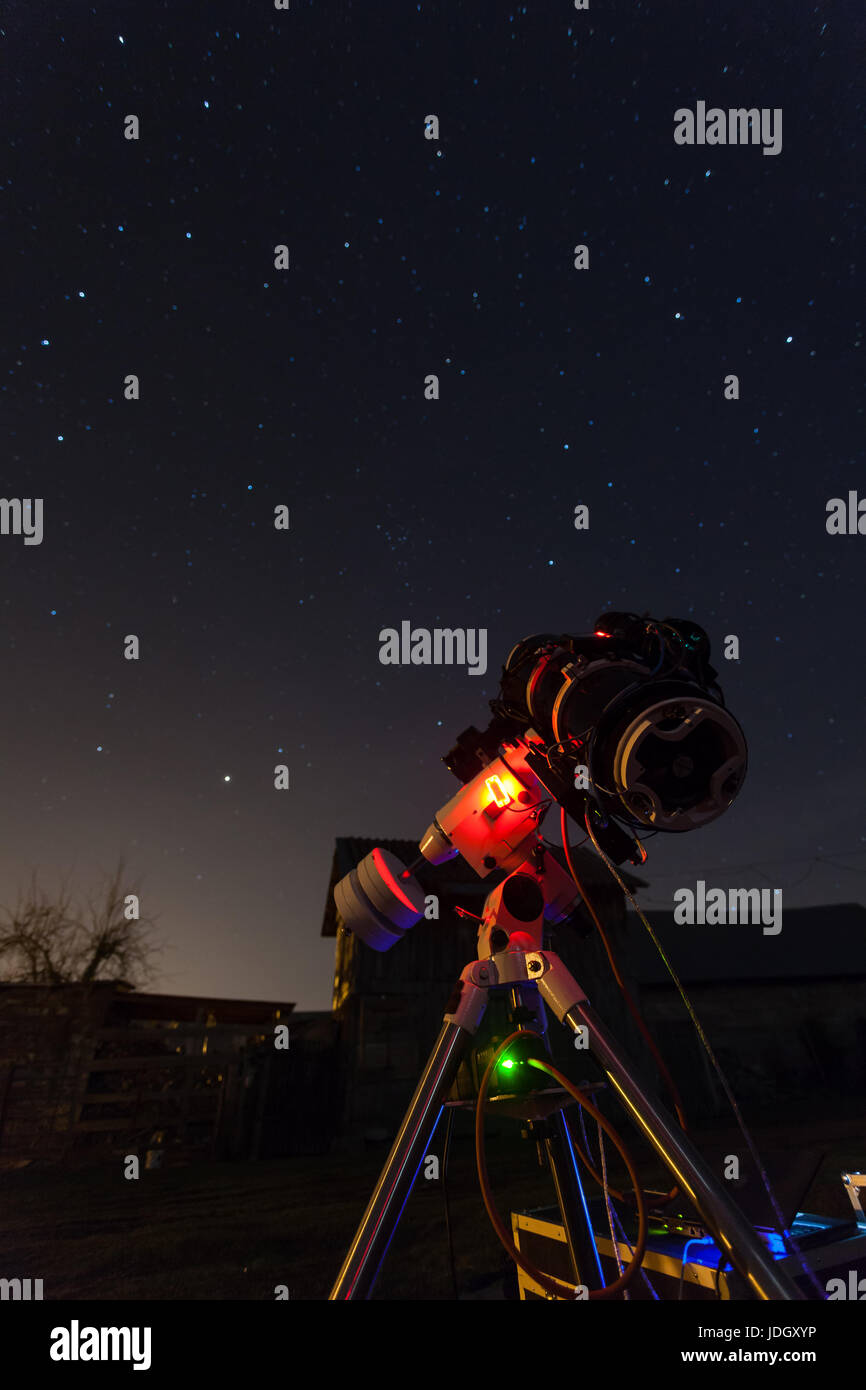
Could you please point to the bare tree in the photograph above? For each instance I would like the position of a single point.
(49, 940)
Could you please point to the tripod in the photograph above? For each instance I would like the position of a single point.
(511, 957)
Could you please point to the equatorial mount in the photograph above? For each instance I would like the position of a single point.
(625, 729)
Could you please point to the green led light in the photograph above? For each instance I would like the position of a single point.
(507, 1063)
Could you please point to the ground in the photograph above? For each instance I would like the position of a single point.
(235, 1230)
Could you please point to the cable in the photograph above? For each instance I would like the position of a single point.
(445, 1152)
(521, 810)
(632, 1007)
(683, 649)
(819, 859)
(557, 1287)
(609, 1129)
(584, 1151)
(651, 627)
(587, 1163)
(756, 1158)
(783, 859)
(663, 904)
(549, 844)
(623, 1238)
(693, 1240)
(609, 1209)
(643, 1273)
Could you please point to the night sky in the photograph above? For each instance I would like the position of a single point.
(305, 387)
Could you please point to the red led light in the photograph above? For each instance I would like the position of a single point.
(499, 793)
(602, 634)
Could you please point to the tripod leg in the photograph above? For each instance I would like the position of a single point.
(572, 1204)
(734, 1235)
(562, 1163)
(362, 1263)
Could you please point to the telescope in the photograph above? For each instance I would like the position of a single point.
(625, 729)
(625, 726)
